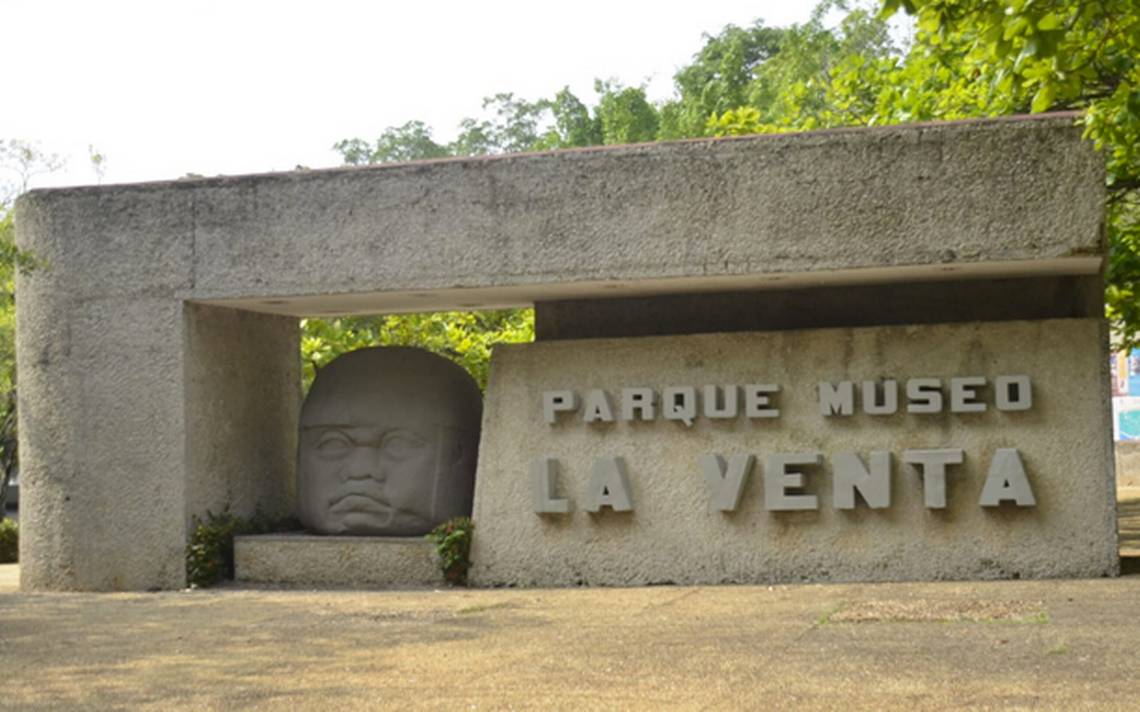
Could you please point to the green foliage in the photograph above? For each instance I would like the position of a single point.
(624, 114)
(452, 541)
(409, 142)
(11, 259)
(739, 122)
(720, 78)
(9, 541)
(210, 553)
(463, 337)
(573, 125)
(515, 126)
(817, 76)
(511, 124)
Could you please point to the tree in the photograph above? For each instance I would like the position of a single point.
(625, 114)
(409, 142)
(515, 126)
(22, 161)
(573, 125)
(719, 79)
(819, 76)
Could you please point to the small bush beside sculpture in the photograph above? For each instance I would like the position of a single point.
(452, 541)
(210, 553)
(388, 443)
(9, 541)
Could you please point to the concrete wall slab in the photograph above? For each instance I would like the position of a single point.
(674, 534)
(243, 396)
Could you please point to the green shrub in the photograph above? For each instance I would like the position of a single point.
(210, 553)
(9, 541)
(452, 541)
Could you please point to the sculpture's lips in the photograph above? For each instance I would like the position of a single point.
(357, 501)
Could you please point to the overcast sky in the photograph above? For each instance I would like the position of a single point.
(169, 88)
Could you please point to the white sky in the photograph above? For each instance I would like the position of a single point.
(169, 87)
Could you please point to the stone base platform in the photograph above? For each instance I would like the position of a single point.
(327, 561)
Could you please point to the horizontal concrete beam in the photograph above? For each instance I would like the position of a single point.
(1049, 297)
(992, 199)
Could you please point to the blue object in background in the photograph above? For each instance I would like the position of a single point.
(1129, 424)
(1134, 373)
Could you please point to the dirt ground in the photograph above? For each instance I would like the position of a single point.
(1010, 645)
(1016, 644)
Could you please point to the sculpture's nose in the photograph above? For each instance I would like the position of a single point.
(364, 464)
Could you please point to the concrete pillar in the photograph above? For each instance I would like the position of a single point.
(243, 393)
(138, 409)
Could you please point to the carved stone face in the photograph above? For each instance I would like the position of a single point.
(388, 444)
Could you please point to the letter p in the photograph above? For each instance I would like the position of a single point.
(555, 402)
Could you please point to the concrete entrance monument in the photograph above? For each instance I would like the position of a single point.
(865, 354)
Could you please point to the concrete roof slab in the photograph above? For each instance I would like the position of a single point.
(964, 199)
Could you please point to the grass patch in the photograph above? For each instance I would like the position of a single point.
(468, 610)
(825, 617)
(1058, 649)
(1039, 618)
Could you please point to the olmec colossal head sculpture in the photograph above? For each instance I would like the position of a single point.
(388, 444)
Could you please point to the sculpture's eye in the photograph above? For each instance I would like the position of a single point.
(401, 444)
(334, 443)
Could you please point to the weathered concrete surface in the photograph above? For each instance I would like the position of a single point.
(102, 440)
(980, 198)
(1128, 464)
(243, 396)
(675, 535)
(137, 414)
(340, 561)
(1058, 297)
(1059, 645)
